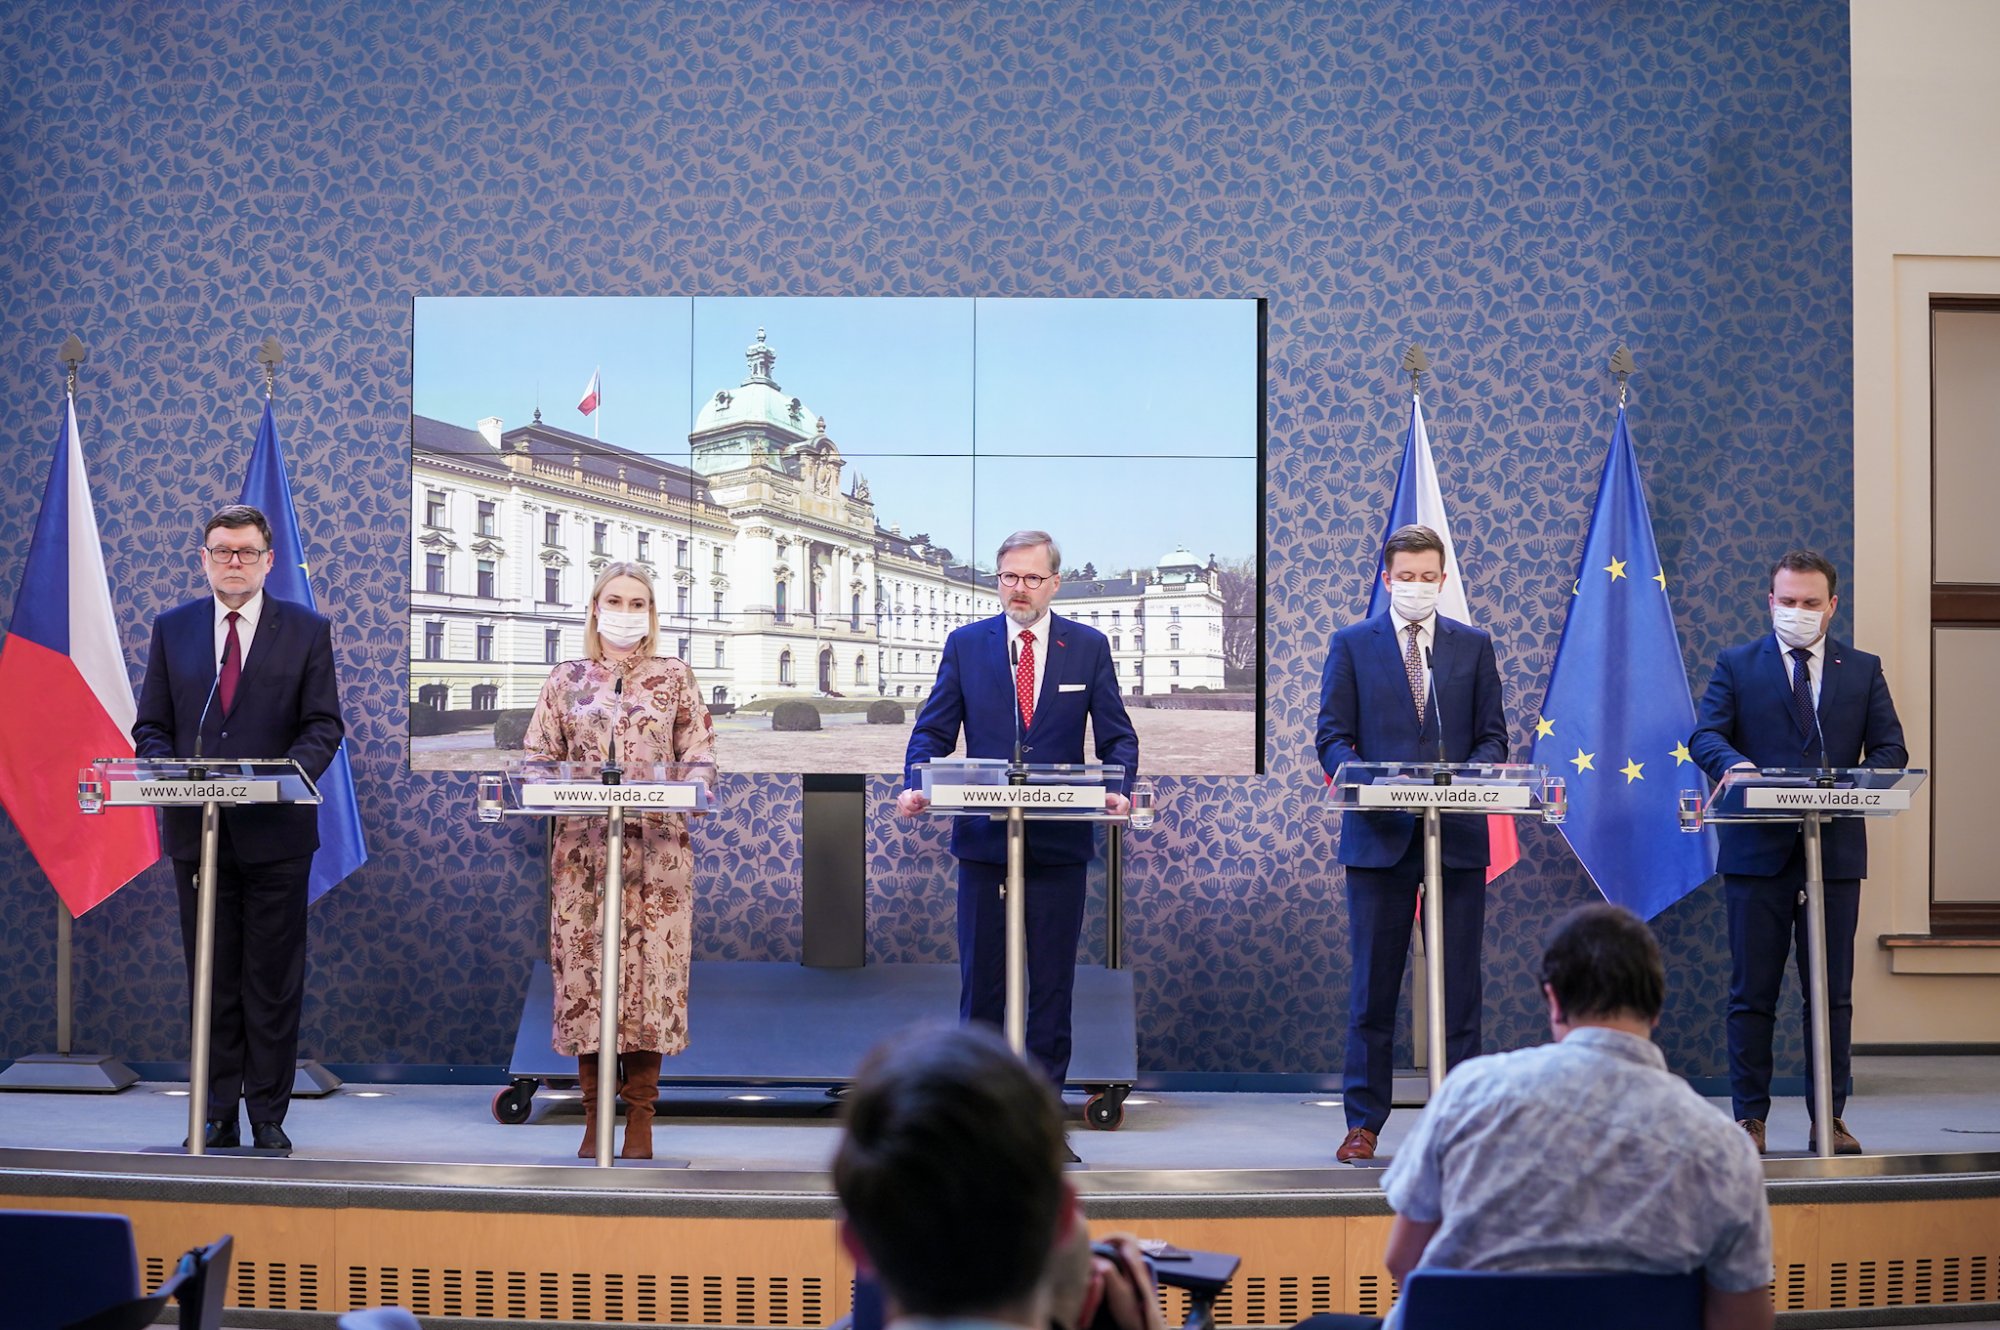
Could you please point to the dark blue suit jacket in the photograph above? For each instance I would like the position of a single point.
(1366, 715)
(975, 690)
(1746, 716)
(287, 706)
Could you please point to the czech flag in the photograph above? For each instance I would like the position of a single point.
(66, 698)
(1419, 499)
(592, 394)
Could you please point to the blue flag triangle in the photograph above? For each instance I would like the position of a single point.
(1617, 715)
(341, 847)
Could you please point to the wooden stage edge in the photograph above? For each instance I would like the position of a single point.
(720, 1248)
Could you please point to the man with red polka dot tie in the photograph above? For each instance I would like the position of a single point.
(1048, 676)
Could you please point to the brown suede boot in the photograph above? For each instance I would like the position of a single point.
(586, 1081)
(640, 1092)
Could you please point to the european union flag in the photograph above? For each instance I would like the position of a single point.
(341, 847)
(1617, 714)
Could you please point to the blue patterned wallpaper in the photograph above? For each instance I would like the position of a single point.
(1518, 187)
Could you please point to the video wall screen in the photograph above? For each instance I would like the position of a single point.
(818, 488)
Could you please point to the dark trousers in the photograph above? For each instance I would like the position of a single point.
(1767, 919)
(260, 970)
(1055, 921)
(1381, 911)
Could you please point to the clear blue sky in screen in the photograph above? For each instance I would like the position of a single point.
(1125, 427)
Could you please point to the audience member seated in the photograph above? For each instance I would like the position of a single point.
(1106, 1285)
(949, 1175)
(1585, 1153)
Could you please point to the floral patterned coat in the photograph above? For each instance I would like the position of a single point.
(660, 718)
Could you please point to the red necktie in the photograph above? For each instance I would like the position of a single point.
(1024, 679)
(232, 665)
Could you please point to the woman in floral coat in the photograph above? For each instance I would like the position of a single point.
(658, 718)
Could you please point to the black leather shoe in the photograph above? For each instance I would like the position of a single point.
(218, 1135)
(269, 1136)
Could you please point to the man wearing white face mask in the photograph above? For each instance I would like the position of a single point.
(1407, 686)
(1796, 698)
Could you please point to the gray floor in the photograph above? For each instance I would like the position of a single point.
(1902, 1105)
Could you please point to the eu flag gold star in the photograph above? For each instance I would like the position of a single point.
(1632, 771)
(1616, 568)
(1544, 728)
(1680, 754)
(1661, 578)
(1582, 761)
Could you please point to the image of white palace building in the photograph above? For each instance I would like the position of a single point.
(772, 576)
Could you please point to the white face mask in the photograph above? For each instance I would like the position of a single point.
(1796, 627)
(1414, 601)
(621, 628)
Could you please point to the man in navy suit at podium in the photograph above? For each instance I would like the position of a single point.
(1037, 675)
(239, 674)
(1796, 698)
(1390, 683)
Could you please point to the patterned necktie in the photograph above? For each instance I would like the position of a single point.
(1802, 699)
(232, 665)
(1024, 679)
(1413, 665)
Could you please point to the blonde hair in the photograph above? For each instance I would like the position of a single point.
(647, 645)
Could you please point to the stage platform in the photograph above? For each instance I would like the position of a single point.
(414, 1194)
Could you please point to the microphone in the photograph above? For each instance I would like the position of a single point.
(612, 773)
(1017, 776)
(197, 771)
(1437, 712)
(1825, 781)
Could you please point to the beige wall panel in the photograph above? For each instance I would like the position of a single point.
(1967, 669)
(1926, 219)
(1966, 450)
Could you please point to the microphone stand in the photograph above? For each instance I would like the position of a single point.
(613, 940)
(1014, 888)
(1434, 901)
(203, 994)
(1817, 1003)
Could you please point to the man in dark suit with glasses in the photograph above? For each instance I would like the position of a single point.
(1052, 674)
(239, 674)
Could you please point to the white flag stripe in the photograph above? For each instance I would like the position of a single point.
(1430, 513)
(94, 646)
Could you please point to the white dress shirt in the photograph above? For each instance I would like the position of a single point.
(246, 628)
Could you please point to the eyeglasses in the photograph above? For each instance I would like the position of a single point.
(218, 554)
(1032, 581)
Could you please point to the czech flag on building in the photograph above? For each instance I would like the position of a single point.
(66, 698)
(593, 393)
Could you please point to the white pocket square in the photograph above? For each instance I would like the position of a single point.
(1071, 687)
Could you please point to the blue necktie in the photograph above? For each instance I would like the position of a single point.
(1802, 699)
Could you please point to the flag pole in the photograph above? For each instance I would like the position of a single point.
(310, 1080)
(1623, 367)
(1416, 363)
(1426, 979)
(65, 1069)
(71, 355)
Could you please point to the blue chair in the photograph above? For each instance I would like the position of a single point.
(379, 1318)
(63, 1266)
(200, 1282)
(1550, 1300)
